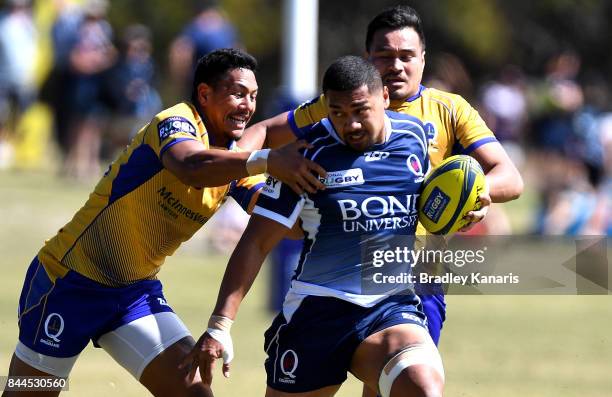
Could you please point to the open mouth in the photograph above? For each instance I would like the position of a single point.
(239, 121)
(356, 136)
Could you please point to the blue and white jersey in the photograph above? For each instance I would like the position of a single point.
(369, 198)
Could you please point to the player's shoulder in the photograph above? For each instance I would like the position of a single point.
(320, 133)
(181, 117)
(399, 119)
(449, 99)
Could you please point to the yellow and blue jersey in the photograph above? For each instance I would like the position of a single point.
(140, 212)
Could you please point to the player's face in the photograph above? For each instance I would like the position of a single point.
(358, 116)
(400, 58)
(230, 104)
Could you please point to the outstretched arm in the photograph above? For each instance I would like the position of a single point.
(260, 236)
(197, 166)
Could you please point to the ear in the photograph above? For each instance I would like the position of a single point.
(204, 92)
(386, 96)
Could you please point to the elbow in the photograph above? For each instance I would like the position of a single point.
(516, 189)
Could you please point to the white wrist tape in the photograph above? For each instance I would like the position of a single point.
(219, 329)
(257, 162)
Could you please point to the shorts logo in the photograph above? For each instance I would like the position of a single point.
(174, 125)
(272, 188)
(414, 165)
(412, 317)
(54, 326)
(289, 363)
(351, 177)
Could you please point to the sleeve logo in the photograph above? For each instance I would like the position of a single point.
(272, 188)
(174, 125)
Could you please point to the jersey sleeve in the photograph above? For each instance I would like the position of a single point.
(279, 202)
(247, 190)
(306, 115)
(165, 132)
(470, 129)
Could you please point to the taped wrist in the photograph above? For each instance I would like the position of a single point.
(257, 163)
(219, 329)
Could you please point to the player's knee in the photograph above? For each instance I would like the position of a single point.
(416, 371)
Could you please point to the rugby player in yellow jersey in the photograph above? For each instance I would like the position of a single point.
(96, 279)
(395, 44)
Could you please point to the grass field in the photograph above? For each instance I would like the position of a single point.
(491, 345)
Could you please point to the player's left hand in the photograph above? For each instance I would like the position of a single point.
(213, 344)
(473, 217)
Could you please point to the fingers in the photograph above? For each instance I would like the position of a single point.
(312, 166)
(296, 188)
(206, 371)
(226, 370)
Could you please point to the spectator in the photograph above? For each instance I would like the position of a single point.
(208, 31)
(134, 97)
(18, 51)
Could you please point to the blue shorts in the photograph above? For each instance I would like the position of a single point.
(434, 307)
(315, 347)
(58, 319)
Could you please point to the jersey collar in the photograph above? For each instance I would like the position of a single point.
(417, 95)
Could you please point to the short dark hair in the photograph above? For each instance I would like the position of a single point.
(397, 17)
(212, 66)
(349, 73)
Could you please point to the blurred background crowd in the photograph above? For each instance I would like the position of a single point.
(79, 78)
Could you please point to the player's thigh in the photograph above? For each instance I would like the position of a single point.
(20, 368)
(151, 348)
(165, 377)
(423, 378)
(327, 391)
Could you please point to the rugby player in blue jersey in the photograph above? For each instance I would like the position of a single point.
(331, 322)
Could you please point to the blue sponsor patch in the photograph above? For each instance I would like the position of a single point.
(174, 125)
(436, 204)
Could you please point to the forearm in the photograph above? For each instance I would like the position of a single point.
(214, 167)
(254, 137)
(505, 183)
(504, 180)
(241, 271)
(273, 133)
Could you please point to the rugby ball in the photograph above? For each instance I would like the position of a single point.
(449, 192)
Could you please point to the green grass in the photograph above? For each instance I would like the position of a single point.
(491, 345)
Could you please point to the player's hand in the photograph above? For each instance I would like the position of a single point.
(473, 217)
(215, 343)
(289, 166)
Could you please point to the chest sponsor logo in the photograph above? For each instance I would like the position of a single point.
(342, 178)
(174, 125)
(272, 188)
(174, 207)
(375, 156)
(379, 213)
